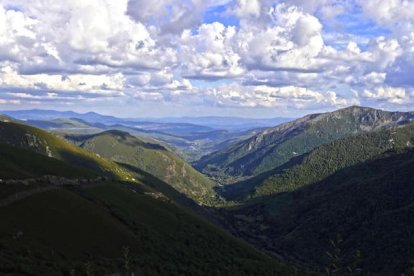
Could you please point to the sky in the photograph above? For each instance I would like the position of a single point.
(249, 58)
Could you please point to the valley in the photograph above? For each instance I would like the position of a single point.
(87, 192)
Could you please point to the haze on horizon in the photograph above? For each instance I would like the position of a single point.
(245, 58)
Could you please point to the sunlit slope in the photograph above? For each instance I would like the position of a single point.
(42, 142)
(16, 163)
(152, 158)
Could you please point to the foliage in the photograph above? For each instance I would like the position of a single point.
(91, 229)
(369, 204)
(323, 161)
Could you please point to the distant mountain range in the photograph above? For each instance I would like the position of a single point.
(39, 114)
(228, 123)
(189, 138)
(211, 122)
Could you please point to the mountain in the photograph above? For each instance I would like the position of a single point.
(7, 119)
(67, 125)
(191, 141)
(196, 124)
(55, 226)
(16, 163)
(60, 123)
(367, 207)
(46, 115)
(42, 142)
(322, 162)
(227, 123)
(153, 158)
(275, 146)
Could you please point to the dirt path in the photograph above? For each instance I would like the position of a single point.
(21, 195)
(24, 194)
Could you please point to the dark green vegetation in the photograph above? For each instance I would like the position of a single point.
(370, 205)
(322, 162)
(141, 156)
(358, 187)
(275, 146)
(89, 229)
(16, 163)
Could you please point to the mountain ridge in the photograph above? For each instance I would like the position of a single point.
(323, 161)
(275, 146)
(123, 148)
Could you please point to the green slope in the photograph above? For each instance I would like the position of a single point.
(154, 159)
(53, 230)
(275, 146)
(86, 230)
(42, 142)
(322, 162)
(370, 205)
(18, 163)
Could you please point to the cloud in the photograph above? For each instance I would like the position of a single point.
(252, 54)
(96, 85)
(388, 12)
(291, 42)
(7, 102)
(211, 53)
(265, 96)
(247, 8)
(172, 17)
(394, 95)
(77, 34)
